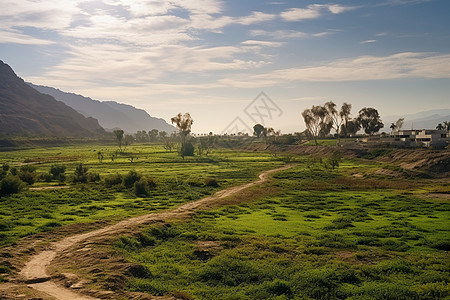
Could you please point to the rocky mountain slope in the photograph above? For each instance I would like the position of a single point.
(110, 114)
(25, 111)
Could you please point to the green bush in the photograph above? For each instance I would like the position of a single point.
(144, 186)
(130, 178)
(10, 185)
(47, 177)
(229, 271)
(80, 174)
(58, 172)
(27, 177)
(211, 182)
(93, 177)
(113, 179)
(187, 149)
(5, 167)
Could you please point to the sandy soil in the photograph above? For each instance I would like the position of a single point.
(35, 271)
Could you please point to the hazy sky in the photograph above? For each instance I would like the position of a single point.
(212, 58)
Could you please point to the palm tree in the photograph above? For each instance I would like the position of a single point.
(393, 127)
(440, 127)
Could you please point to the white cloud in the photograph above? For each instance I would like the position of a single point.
(280, 34)
(44, 14)
(262, 43)
(313, 11)
(363, 68)
(289, 34)
(299, 14)
(254, 18)
(14, 37)
(368, 41)
(339, 9)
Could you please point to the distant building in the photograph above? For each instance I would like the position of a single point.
(412, 138)
(433, 138)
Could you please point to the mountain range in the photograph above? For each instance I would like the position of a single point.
(25, 111)
(422, 120)
(110, 114)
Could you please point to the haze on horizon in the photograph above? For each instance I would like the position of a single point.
(212, 58)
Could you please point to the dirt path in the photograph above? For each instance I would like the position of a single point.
(35, 274)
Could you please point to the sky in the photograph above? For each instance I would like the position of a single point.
(232, 64)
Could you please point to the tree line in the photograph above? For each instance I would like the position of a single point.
(321, 119)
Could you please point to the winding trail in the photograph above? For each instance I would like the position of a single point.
(35, 274)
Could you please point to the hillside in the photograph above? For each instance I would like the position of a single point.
(109, 114)
(25, 111)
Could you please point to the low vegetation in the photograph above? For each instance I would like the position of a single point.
(323, 235)
(328, 228)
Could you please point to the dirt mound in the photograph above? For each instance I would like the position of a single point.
(431, 161)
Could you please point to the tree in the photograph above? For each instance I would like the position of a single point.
(127, 141)
(162, 134)
(258, 130)
(119, 137)
(351, 127)
(80, 174)
(184, 124)
(447, 125)
(399, 123)
(141, 136)
(316, 121)
(335, 118)
(393, 127)
(153, 135)
(440, 127)
(370, 120)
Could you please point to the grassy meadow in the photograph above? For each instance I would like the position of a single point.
(320, 234)
(312, 232)
(174, 181)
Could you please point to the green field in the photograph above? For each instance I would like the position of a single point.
(322, 235)
(177, 181)
(312, 232)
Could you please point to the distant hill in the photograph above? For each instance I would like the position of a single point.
(25, 111)
(109, 114)
(422, 120)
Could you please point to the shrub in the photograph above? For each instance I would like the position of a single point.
(279, 288)
(441, 245)
(10, 185)
(5, 167)
(144, 186)
(28, 168)
(80, 174)
(130, 178)
(229, 271)
(211, 182)
(47, 177)
(113, 179)
(187, 149)
(57, 172)
(93, 177)
(27, 177)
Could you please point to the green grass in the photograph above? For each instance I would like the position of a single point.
(325, 241)
(177, 181)
(315, 233)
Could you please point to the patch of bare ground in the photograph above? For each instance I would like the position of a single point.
(361, 258)
(53, 187)
(358, 183)
(387, 172)
(69, 268)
